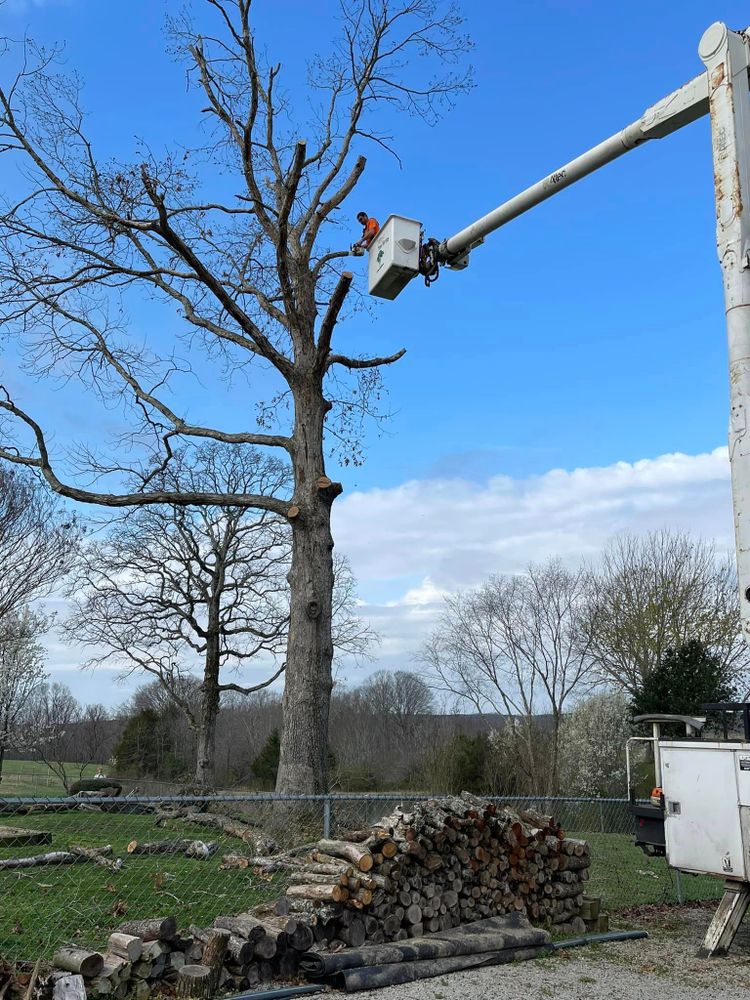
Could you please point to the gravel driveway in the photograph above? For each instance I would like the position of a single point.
(664, 967)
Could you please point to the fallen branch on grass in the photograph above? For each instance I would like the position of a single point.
(190, 848)
(72, 857)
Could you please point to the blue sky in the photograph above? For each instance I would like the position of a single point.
(588, 333)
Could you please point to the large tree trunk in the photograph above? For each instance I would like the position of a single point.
(308, 680)
(205, 766)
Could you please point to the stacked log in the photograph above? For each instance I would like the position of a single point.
(140, 954)
(446, 862)
(237, 953)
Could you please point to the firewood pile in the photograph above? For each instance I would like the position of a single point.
(237, 952)
(445, 863)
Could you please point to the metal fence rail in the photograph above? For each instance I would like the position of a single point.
(43, 906)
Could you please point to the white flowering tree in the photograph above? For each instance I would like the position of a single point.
(593, 746)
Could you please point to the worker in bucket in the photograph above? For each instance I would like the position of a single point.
(370, 229)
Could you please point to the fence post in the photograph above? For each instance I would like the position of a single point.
(327, 817)
(601, 816)
(678, 885)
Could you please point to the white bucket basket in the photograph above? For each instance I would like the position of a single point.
(394, 256)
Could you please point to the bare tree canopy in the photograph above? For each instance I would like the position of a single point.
(254, 277)
(38, 540)
(517, 646)
(657, 591)
(22, 673)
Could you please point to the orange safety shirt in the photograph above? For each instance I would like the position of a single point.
(371, 230)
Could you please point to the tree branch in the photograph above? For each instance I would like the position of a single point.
(356, 363)
(332, 313)
(178, 498)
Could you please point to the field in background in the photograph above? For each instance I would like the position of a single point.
(32, 777)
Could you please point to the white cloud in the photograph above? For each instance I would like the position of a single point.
(412, 544)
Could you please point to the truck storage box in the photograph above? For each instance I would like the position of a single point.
(707, 800)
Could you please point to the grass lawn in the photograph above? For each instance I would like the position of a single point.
(624, 876)
(41, 908)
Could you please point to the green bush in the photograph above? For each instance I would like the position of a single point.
(95, 785)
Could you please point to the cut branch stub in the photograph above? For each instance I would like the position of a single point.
(293, 512)
(328, 488)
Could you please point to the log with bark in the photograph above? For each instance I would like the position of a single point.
(69, 988)
(57, 858)
(78, 960)
(126, 946)
(155, 929)
(231, 827)
(189, 848)
(194, 982)
(11, 836)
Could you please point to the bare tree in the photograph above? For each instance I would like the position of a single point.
(68, 737)
(38, 540)
(22, 672)
(379, 728)
(401, 700)
(255, 278)
(174, 588)
(517, 646)
(400, 704)
(659, 590)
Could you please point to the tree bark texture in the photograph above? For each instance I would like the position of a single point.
(303, 756)
(205, 767)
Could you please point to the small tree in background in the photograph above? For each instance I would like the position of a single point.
(68, 737)
(655, 592)
(459, 765)
(171, 589)
(517, 646)
(593, 746)
(266, 764)
(22, 673)
(685, 678)
(146, 746)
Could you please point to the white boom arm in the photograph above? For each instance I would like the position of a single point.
(685, 105)
(721, 91)
(726, 55)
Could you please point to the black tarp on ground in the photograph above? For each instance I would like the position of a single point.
(483, 942)
(374, 976)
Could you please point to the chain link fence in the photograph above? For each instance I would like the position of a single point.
(79, 899)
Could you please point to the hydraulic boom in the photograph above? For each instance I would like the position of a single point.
(398, 255)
